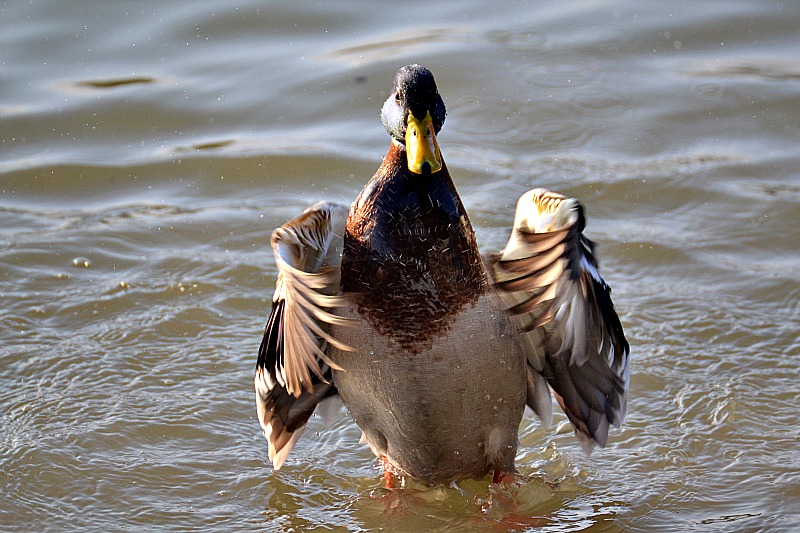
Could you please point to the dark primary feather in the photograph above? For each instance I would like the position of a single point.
(586, 363)
(270, 352)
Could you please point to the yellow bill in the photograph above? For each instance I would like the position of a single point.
(422, 149)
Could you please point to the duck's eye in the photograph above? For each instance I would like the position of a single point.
(397, 97)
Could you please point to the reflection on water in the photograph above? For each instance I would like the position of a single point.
(148, 150)
(110, 84)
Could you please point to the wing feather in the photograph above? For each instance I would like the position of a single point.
(293, 371)
(549, 278)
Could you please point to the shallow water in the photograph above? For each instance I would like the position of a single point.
(147, 150)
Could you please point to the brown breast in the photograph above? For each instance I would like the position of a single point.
(410, 254)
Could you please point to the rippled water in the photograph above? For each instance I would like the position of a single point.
(148, 149)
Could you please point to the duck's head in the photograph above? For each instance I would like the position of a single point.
(413, 115)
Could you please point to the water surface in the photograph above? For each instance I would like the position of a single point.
(147, 150)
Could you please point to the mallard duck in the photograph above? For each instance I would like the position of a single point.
(435, 349)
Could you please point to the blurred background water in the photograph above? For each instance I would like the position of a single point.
(148, 149)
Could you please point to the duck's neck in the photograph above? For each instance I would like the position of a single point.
(409, 248)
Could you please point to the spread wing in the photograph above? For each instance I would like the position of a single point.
(549, 278)
(293, 372)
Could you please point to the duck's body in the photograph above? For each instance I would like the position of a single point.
(435, 413)
(421, 294)
(434, 349)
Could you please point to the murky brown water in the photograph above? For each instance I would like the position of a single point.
(148, 149)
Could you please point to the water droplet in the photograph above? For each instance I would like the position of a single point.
(81, 262)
